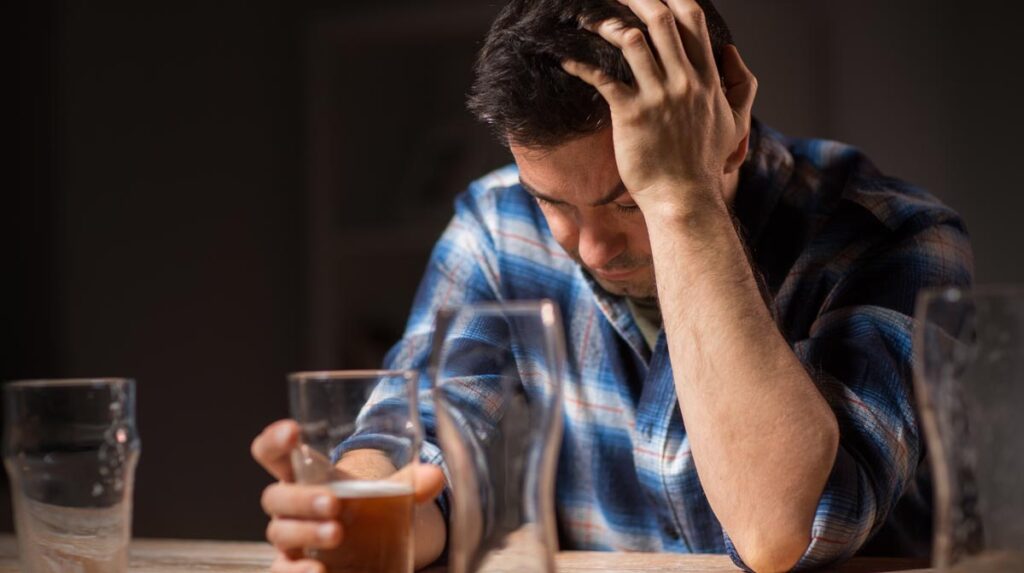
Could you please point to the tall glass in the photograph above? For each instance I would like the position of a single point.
(360, 435)
(497, 381)
(70, 449)
(969, 381)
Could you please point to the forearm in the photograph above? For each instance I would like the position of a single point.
(429, 532)
(762, 436)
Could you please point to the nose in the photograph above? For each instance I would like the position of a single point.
(599, 243)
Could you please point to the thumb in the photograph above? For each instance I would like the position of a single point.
(740, 83)
(429, 482)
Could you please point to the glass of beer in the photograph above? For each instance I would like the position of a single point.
(360, 435)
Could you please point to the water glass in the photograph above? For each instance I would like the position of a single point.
(496, 371)
(969, 382)
(70, 448)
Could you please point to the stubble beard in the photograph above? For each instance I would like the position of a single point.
(641, 288)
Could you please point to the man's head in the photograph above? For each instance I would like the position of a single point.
(520, 88)
(557, 128)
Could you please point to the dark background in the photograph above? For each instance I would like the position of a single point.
(207, 195)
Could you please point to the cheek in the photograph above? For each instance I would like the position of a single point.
(639, 241)
(563, 228)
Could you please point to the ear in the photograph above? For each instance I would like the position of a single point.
(739, 155)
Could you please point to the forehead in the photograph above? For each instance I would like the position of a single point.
(577, 171)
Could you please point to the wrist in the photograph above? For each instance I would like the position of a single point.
(683, 198)
(698, 212)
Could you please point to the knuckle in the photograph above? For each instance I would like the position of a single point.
(635, 115)
(271, 532)
(663, 18)
(608, 88)
(696, 15)
(680, 87)
(658, 98)
(633, 38)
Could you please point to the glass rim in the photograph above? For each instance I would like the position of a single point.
(68, 382)
(955, 293)
(315, 375)
(545, 307)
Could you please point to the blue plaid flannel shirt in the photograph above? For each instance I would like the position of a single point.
(843, 251)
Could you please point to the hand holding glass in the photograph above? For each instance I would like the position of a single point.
(360, 435)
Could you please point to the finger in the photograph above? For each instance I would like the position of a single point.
(664, 31)
(633, 44)
(299, 501)
(282, 564)
(291, 534)
(740, 83)
(613, 91)
(693, 30)
(429, 483)
(272, 448)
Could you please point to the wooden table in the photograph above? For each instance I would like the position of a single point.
(181, 556)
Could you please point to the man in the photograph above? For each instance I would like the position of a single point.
(710, 271)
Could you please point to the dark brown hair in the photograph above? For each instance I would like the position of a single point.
(520, 88)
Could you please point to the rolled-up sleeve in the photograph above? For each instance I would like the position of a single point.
(858, 353)
(462, 269)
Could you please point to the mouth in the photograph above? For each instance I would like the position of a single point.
(616, 275)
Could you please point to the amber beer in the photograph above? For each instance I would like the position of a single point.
(376, 524)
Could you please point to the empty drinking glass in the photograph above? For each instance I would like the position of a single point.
(969, 381)
(70, 448)
(497, 382)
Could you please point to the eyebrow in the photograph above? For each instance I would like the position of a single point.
(614, 194)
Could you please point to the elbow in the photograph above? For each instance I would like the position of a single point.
(776, 555)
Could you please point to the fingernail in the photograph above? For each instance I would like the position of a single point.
(325, 532)
(322, 505)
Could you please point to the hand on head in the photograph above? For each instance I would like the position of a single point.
(683, 126)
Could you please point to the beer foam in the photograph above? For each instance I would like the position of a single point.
(369, 488)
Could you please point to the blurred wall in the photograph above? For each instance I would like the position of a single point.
(157, 217)
(927, 88)
(172, 203)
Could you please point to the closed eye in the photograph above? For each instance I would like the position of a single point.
(629, 209)
(547, 202)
